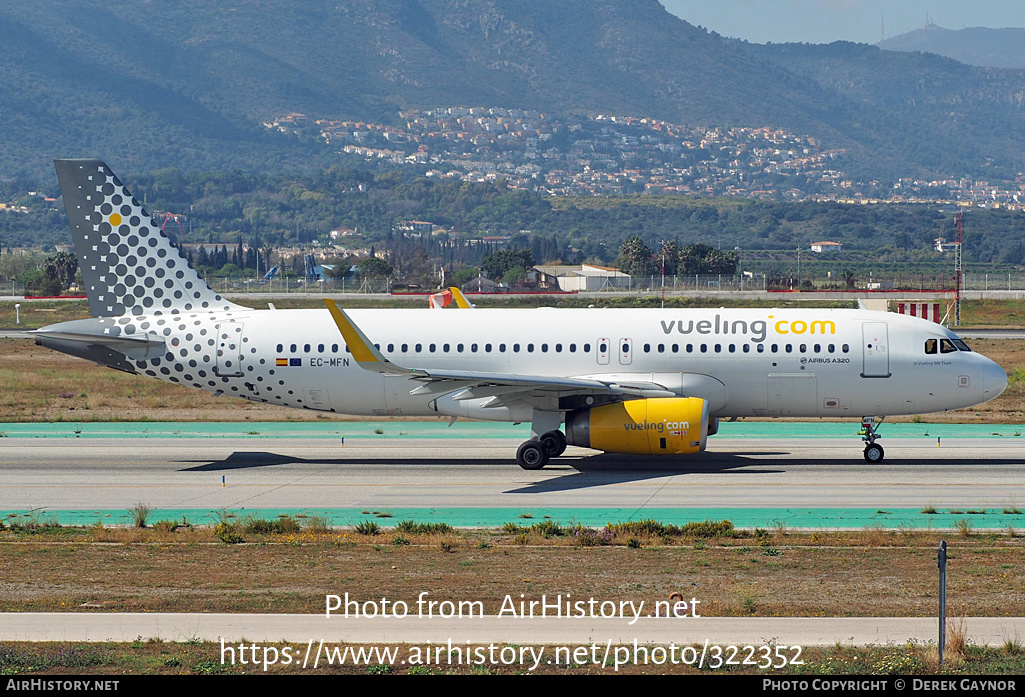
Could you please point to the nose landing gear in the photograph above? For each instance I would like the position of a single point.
(869, 425)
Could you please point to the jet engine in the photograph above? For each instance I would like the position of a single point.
(659, 426)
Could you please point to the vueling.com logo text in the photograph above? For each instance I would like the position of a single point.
(757, 330)
(660, 426)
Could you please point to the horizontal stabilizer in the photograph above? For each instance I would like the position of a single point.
(137, 347)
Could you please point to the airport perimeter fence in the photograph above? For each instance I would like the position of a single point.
(642, 285)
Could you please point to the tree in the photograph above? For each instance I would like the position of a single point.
(59, 272)
(372, 267)
(497, 264)
(636, 259)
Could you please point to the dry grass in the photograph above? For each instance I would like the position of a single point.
(188, 570)
(957, 641)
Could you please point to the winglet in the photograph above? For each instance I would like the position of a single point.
(461, 301)
(363, 350)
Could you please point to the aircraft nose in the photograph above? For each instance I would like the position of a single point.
(994, 380)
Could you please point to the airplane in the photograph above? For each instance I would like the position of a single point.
(641, 381)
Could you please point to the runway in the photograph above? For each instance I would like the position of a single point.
(748, 476)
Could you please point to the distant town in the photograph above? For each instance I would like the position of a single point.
(609, 155)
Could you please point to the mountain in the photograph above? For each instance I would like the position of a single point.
(994, 48)
(923, 110)
(149, 84)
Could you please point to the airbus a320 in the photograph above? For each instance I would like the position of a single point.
(648, 381)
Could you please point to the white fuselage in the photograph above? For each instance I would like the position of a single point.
(757, 362)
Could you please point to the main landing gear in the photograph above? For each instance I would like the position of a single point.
(546, 440)
(869, 425)
(534, 454)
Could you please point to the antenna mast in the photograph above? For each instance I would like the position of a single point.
(958, 270)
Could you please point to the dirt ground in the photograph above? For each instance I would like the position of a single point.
(868, 573)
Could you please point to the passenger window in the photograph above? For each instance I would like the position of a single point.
(704, 348)
(432, 348)
(419, 348)
(647, 348)
(320, 348)
(558, 348)
(501, 348)
(444, 348)
(281, 348)
(831, 348)
(733, 348)
(294, 347)
(516, 348)
(391, 347)
(718, 348)
(789, 348)
(747, 348)
(661, 348)
(587, 348)
(804, 348)
(405, 348)
(530, 348)
(690, 348)
(676, 348)
(818, 348)
(930, 345)
(572, 348)
(544, 348)
(334, 348)
(761, 348)
(845, 348)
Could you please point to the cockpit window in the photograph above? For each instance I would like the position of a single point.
(961, 345)
(947, 346)
(930, 345)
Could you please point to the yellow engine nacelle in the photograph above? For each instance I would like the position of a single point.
(662, 426)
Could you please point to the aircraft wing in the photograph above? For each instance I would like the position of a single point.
(481, 384)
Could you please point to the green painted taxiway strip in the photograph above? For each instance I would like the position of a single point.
(470, 429)
(824, 519)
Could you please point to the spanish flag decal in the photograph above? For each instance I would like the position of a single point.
(281, 362)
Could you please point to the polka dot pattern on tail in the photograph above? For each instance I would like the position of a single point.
(128, 264)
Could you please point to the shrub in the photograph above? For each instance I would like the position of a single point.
(367, 527)
(228, 533)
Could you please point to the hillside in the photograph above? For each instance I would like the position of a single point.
(188, 84)
(993, 48)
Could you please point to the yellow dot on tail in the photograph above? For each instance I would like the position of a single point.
(115, 219)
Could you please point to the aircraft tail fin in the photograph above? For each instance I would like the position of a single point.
(129, 266)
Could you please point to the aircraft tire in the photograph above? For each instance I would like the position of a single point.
(555, 442)
(532, 455)
(874, 453)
